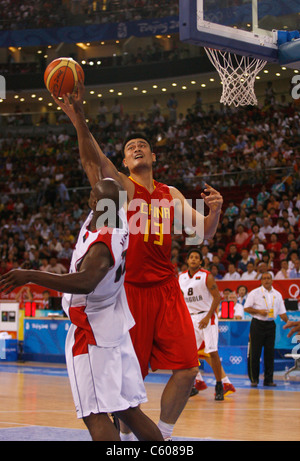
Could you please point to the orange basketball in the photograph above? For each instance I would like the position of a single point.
(61, 76)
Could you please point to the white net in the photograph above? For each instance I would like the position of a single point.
(238, 75)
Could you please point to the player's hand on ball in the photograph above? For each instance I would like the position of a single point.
(72, 105)
(213, 200)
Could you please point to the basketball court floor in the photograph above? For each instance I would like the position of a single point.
(36, 405)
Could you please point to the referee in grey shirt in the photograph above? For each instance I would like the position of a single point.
(264, 304)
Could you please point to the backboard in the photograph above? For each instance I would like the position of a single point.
(244, 27)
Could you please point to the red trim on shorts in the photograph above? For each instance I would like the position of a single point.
(83, 334)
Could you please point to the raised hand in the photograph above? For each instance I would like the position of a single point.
(213, 200)
(72, 104)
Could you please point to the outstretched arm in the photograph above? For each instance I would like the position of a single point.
(82, 282)
(94, 162)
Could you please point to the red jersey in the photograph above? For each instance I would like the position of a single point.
(150, 218)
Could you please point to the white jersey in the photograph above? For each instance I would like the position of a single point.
(196, 294)
(199, 300)
(104, 313)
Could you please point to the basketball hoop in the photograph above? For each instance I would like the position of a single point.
(238, 74)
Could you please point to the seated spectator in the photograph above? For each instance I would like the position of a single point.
(231, 211)
(232, 273)
(233, 256)
(55, 268)
(239, 313)
(66, 252)
(242, 264)
(215, 272)
(242, 219)
(206, 253)
(257, 232)
(294, 218)
(256, 250)
(295, 272)
(284, 252)
(274, 244)
(247, 203)
(279, 227)
(292, 258)
(241, 236)
(273, 203)
(250, 274)
(55, 245)
(293, 247)
(262, 268)
(263, 196)
(217, 262)
(267, 227)
(284, 272)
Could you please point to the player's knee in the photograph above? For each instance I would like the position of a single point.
(193, 372)
(188, 374)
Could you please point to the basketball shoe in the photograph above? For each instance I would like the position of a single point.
(200, 385)
(228, 389)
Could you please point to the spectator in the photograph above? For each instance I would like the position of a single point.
(250, 274)
(262, 268)
(243, 263)
(233, 257)
(295, 272)
(241, 236)
(284, 272)
(215, 272)
(55, 268)
(232, 273)
(274, 244)
(231, 211)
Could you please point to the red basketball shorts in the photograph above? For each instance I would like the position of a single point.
(163, 336)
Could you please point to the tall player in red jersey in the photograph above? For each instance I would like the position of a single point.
(163, 335)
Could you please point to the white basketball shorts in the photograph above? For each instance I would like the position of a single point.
(105, 379)
(210, 334)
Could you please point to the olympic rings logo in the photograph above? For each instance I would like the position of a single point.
(235, 360)
(223, 328)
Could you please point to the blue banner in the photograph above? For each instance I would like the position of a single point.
(234, 332)
(45, 337)
(8, 350)
(90, 33)
(282, 341)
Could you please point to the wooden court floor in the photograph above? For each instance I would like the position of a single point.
(247, 415)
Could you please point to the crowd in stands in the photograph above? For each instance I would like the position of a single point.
(30, 14)
(250, 154)
(59, 13)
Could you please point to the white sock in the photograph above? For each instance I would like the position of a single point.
(130, 437)
(165, 428)
(199, 377)
(225, 380)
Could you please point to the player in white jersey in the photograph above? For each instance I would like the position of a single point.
(202, 297)
(103, 369)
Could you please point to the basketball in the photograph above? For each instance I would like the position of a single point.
(61, 76)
